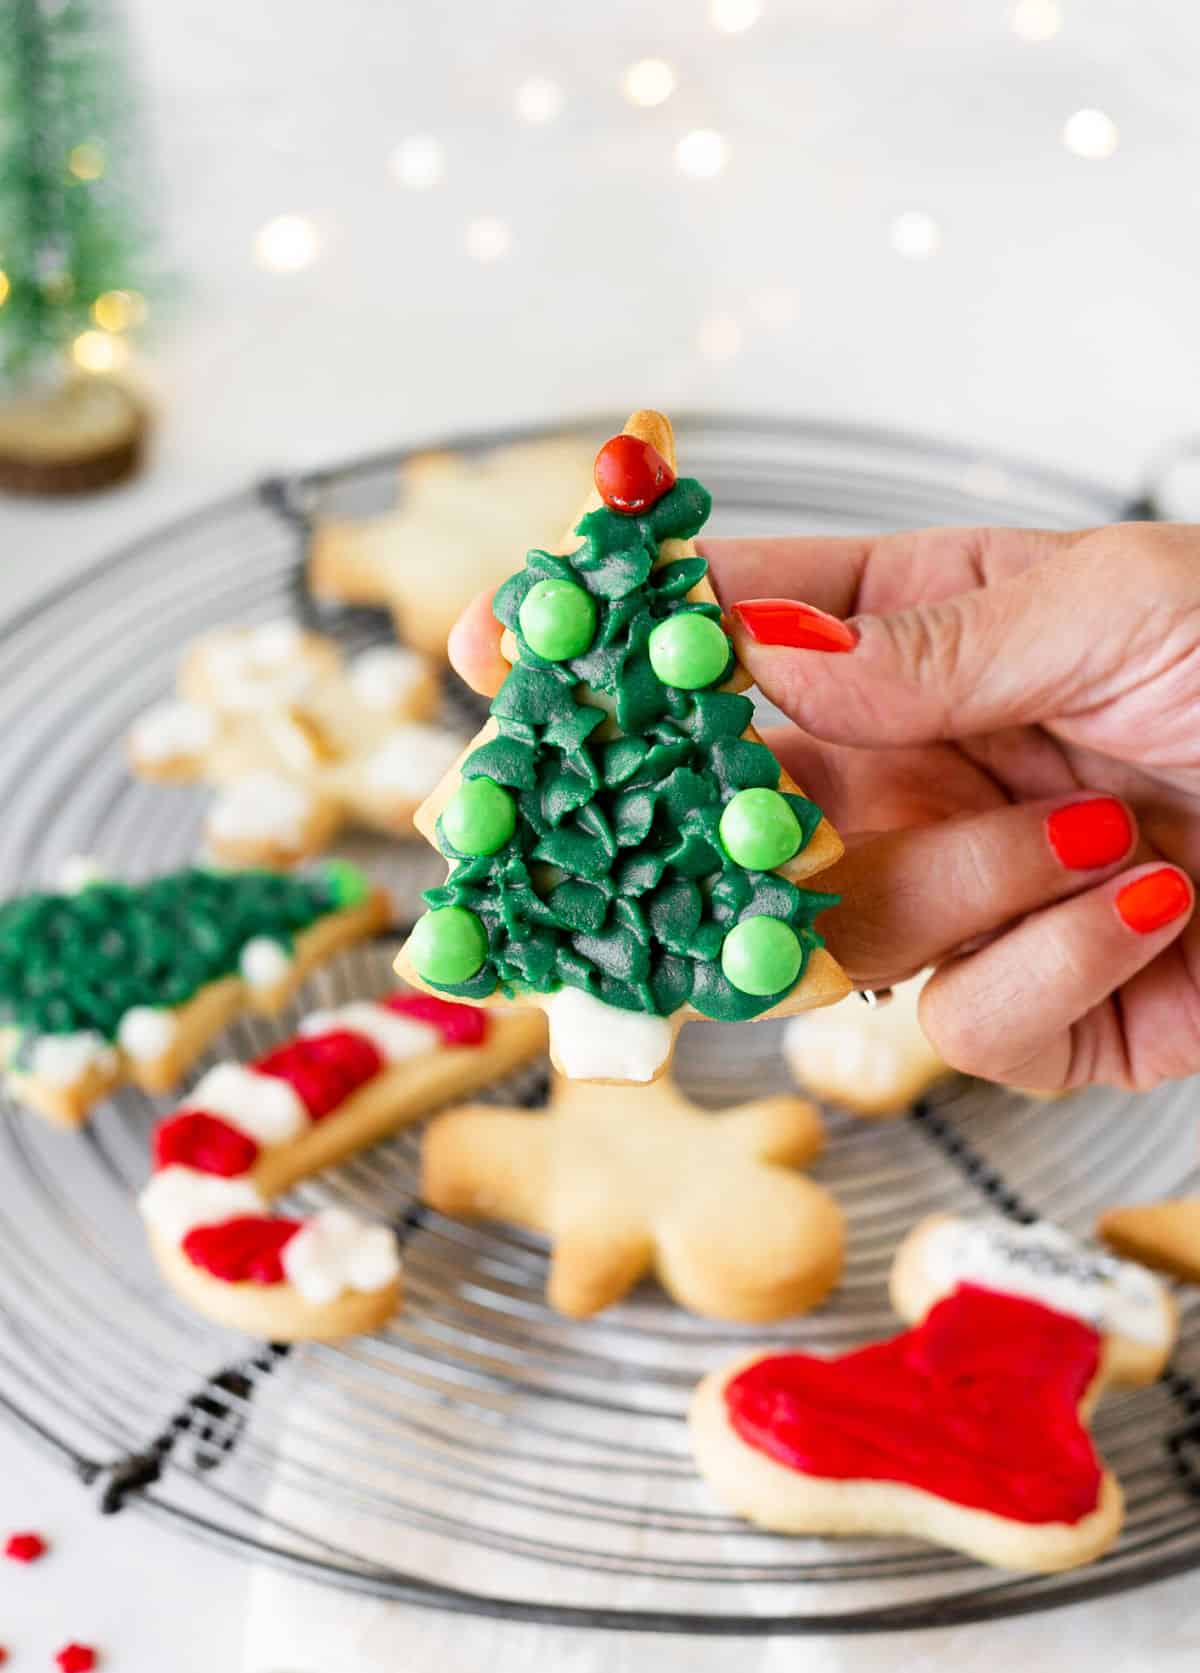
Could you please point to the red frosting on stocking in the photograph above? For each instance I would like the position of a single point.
(978, 1404)
(323, 1069)
(247, 1250)
(195, 1139)
(458, 1025)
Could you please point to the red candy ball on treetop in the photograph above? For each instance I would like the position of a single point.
(630, 475)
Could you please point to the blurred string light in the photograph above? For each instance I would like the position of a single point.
(119, 310)
(1091, 134)
(702, 153)
(86, 161)
(287, 244)
(539, 100)
(915, 235)
(1036, 20)
(488, 238)
(719, 337)
(99, 351)
(732, 17)
(418, 162)
(5, 287)
(650, 81)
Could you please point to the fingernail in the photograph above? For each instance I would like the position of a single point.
(1085, 835)
(782, 621)
(1153, 901)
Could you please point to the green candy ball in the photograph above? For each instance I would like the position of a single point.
(480, 817)
(688, 650)
(759, 830)
(761, 956)
(448, 946)
(558, 620)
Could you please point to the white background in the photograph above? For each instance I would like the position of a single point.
(1058, 317)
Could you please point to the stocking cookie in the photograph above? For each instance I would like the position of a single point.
(465, 521)
(872, 1059)
(625, 853)
(625, 1183)
(1164, 1235)
(298, 741)
(247, 1132)
(118, 982)
(970, 1428)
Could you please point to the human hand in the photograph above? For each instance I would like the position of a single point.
(1011, 746)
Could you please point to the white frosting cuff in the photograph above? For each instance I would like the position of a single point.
(335, 1251)
(396, 1038)
(178, 1199)
(265, 1108)
(590, 1040)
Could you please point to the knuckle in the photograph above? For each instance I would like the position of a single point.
(961, 1024)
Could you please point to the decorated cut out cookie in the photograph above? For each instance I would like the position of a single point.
(465, 521)
(872, 1059)
(1164, 1235)
(971, 1428)
(299, 741)
(625, 853)
(119, 982)
(247, 1132)
(638, 1181)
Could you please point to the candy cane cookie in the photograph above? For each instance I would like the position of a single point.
(246, 1132)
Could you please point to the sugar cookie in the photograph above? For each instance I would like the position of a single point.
(970, 1428)
(1164, 1235)
(872, 1059)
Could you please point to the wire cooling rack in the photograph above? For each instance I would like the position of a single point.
(482, 1454)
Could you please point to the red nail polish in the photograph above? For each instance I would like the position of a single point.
(782, 621)
(1088, 834)
(1153, 901)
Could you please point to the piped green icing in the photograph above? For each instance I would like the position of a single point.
(80, 961)
(615, 879)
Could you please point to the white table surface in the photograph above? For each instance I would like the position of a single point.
(1057, 319)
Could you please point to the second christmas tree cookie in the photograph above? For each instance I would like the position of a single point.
(625, 852)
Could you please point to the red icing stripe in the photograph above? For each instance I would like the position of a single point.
(323, 1069)
(458, 1025)
(247, 1250)
(979, 1404)
(195, 1139)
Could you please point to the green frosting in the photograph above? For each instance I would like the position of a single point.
(615, 879)
(80, 961)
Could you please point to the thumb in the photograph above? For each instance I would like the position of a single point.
(1025, 649)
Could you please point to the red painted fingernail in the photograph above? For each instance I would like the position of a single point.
(1088, 834)
(782, 621)
(1155, 900)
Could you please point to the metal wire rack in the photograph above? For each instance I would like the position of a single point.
(483, 1454)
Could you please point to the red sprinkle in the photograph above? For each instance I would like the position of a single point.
(323, 1069)
(3, 1655)
(195, 1139)
(458, 1025)
(631, 475)
(247, 1250)
(25, 1548)
(77, 1658)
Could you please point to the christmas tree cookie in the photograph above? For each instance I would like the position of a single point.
(120, 982)
(625, 853)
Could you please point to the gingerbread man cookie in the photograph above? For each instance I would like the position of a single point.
(298, 741)
(247, 1132)
(1164, 1235)
(115, 982)
(872, 1059)
(463, 523)
(625, 1183)
(970, 1428)
(625, 853)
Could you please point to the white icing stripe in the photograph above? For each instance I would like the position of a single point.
(179, 1199)
(265, 1108)
(396, 1038)
(65, 1059)
(590, 1040)
(336, 1251)
(1046, 1264)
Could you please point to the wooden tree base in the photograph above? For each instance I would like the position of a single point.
(82, 435)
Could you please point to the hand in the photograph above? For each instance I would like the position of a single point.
(1007, 732)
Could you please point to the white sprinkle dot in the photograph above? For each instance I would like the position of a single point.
(915, 235)
(720, 337)
(488, 238)
(701, 153)
(1036, 20)
(650, 81)
(1091, 134)
(418, 162)
(287, 244)
(539, 100)
(731, 17)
